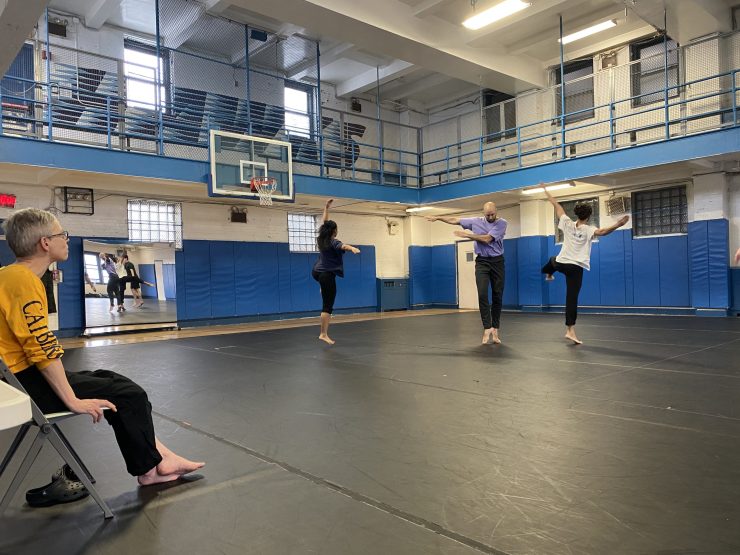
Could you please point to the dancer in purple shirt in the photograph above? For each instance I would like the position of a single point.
(488, 233)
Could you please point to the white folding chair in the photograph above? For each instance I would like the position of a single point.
(48, 429)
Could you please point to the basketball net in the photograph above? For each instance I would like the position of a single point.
(265, 187)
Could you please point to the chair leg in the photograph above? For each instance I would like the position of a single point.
(19, 437)
(74, 453)
(73, 461)
(28, 460)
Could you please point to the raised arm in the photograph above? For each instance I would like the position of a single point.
(607, 230)
(445, 219)
(350, 248)
(326, 209)
(559, 212)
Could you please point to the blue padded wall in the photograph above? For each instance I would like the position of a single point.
(708, 263)
(170, 278)
(433, 275)
(224, 279)
(444, 274)
(511, 262)
(699, 264)
(420, 275)
(646, 275)
(71, 292)
(531, 256)
(718, 237)
(673, 273)
(735, 290)
(147, 273)
(612, 271)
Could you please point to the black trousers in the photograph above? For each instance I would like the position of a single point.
(328, 283)
(132, 423)
(114, 289)
(573, 281)
(489, 272)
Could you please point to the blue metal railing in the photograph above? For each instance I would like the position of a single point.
(64, 112)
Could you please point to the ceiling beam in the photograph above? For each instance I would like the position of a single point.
(285, 31)
(300, 70)
(389, 28)
(369, 79)
(177, 31)
(99, 12)
(406, 90)
(429, 7)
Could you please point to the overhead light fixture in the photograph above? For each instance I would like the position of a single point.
(418, 209)
(603, 26)
(553, 187)
(499, 11)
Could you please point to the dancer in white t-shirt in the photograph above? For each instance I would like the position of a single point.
(574, 257)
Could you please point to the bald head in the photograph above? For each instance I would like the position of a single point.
(489, 211)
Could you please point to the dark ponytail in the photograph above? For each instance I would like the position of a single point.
(326, 234)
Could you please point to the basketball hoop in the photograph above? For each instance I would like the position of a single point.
(264, 187)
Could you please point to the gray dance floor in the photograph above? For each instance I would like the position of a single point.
(153, 311)
(408, 437)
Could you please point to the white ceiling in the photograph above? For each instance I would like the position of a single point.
(426, 57)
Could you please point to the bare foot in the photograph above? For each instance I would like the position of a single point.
(486, 337)
(171, 468)
(494, 337)
(572, 337)
(549, 277)
(326, 339)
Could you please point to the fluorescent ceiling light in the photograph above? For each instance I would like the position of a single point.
(418, 209)
(603, 26)
(499, 11)
(553, 187)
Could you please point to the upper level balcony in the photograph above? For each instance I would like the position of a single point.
(57, 94)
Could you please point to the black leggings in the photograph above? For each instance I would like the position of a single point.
(114, 289)
(328, 283)
(490, 272)
(573, 280)
(132, 421)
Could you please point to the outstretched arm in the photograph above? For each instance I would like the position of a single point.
(737, 257)
(350, 248)
(559, 212)
(445, 219)
(607, 230)
(465, 234)
(326, 209)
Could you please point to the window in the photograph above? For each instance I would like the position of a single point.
(140, 68)
(297, 110)
(302, 232)
(579, 90)
(569, 205)
(660, 211)
(152, 221)
(500, 115)
(648, 73)
(92, 268)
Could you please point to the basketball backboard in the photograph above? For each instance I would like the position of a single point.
(236, 159)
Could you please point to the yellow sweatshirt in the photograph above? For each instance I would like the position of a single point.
(25, 337)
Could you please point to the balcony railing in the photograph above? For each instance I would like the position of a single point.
(86, 103)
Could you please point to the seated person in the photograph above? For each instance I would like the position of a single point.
(34, 355)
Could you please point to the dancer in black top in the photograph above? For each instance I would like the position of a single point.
(108, 262)
(328, 267)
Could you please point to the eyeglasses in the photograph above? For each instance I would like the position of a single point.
(64, 234)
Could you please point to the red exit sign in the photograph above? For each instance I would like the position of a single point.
(7, 201)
